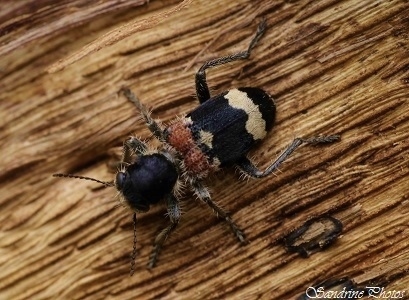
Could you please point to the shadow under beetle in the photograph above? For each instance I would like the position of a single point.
(219, 132)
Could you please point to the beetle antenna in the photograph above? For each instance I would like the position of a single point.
(106, 183)
(133, 255)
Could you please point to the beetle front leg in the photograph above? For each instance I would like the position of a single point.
(174, 213)
(153, 126)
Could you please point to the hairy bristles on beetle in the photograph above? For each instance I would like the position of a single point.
(218, 133)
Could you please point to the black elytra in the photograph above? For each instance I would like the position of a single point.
(231, 140)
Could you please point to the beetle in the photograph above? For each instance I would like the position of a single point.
(219, 132)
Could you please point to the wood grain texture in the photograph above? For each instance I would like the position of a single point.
(332, 66)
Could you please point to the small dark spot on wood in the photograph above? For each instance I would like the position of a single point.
(315, 235)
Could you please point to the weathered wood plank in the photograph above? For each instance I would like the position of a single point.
(332, 66)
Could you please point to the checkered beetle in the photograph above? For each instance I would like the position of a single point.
(219, 132)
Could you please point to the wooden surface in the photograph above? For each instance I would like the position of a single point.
(333, 67)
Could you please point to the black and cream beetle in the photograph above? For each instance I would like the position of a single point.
(218, 133)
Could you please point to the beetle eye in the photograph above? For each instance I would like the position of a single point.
(120, 180)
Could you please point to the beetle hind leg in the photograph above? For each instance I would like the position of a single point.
(246, 166)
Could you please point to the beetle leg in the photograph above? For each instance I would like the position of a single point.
(132, 145)
(202, 90)
(174, 213)
(204, 195)
(153, 126)
(250, 169)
